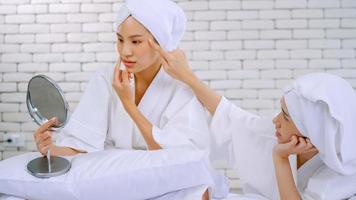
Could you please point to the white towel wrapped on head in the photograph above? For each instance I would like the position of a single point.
(165, 20)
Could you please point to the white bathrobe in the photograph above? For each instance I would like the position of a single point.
(246, 141)
(100, 122)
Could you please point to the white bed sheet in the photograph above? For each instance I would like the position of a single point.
(187, 194)
(7, 197)
(170, 196)
(230, 197)
(234, 196)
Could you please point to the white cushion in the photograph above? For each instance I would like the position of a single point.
(112, 174)
(329, 185)
(7, 197)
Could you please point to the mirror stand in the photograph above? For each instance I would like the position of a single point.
(41, 167)
(48, 166)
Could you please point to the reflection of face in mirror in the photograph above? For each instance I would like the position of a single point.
(46, 101)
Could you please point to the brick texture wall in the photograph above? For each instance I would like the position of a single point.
(247, 50)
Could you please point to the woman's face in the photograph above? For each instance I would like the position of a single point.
(285, 127)
(133, 47)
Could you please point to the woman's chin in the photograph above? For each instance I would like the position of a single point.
(130, 69)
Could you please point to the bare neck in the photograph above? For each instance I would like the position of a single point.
(144, 79)
(146, 76)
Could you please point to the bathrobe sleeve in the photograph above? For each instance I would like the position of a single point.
(231, 124)
(244, 141)
(87, 128)
(183, 123)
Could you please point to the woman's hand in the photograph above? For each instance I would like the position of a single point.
(121, 84)
(43, 136)
(297, 145)
(174, 63)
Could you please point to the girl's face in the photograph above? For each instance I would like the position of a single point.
(133, 47)
(285, 127)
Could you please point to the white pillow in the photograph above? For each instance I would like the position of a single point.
(7, 197)
(112, 174)
(329, 185)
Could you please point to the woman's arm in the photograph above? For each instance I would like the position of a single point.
(286, 185)
(121, 85)
(144, 125)
(208, 97)
(64, 151)
(176, 65)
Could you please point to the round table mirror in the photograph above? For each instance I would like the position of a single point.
(44, 101)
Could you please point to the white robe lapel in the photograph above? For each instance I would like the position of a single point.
(307, 170)
(156, 97)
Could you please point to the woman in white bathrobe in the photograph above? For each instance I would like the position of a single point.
(140, 106)
(309, 151)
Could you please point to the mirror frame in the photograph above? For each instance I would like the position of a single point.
(35, 114)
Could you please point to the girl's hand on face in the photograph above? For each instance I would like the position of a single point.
(174, 63)
(121, 84)
(296, 145)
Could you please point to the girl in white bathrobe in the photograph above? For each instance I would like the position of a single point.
(136, 105)
(308, 152)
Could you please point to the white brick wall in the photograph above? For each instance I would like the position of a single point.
(248, 50)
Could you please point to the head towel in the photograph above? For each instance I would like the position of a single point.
(323, 107)
(163, 18)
